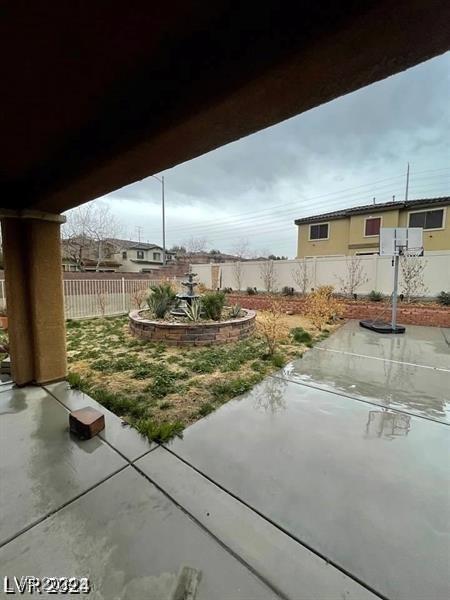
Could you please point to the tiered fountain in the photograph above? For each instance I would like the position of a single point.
(181, 332)
(187, 297)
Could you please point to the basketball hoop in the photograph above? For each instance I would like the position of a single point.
(396, 242)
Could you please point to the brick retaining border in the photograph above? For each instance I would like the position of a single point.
(195, 334)
(407, 314)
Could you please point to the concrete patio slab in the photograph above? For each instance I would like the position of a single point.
(363, 486)
(402, 386)
(426, 346)
(42, 466)
(131, 542)
(290, 567)
(117, 433)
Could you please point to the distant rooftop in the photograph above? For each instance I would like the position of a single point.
(131, 244)
(375, 207)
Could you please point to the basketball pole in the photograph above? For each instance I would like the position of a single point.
(394, 293)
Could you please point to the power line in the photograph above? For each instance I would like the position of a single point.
(240, 217)
(258, 218)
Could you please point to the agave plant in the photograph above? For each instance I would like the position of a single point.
(235, 311)
(193, 311)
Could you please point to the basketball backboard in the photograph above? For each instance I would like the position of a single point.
(398, 240)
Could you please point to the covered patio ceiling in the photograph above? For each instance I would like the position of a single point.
(99, 95)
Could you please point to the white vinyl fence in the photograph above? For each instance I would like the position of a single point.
(99, 297)
(378, 273)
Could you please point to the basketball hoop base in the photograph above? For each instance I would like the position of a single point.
(382, 326)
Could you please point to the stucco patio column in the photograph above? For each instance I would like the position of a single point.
(34, 295)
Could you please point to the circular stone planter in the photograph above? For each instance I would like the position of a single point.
(193, 334)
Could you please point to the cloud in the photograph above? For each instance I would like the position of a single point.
(255, 187)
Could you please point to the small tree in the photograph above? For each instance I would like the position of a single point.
(411, 272)
(271, 326)
(300, 276)
(237, 274)
(354, 277)
(321, 307)
(268, 275)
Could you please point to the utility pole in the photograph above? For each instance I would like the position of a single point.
(407, 184)
(163, 207)
(139, 229)
(163, 220)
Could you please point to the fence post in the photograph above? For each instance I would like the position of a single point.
(123, 295)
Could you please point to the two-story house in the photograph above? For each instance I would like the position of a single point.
(112, 254)
(356, 230)
(138, 257)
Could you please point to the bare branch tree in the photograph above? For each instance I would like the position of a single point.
(195, 244)
(411, 272)
(268, 275)
(241, 249)
(237, 274)
(300, 275)
(354, 277)
(86, 230)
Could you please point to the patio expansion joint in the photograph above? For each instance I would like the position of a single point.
(391, 360)
(229, 550)
(343, 395)
(59, 508)
(277, 526)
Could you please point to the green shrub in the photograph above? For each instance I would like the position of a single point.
(76, 382)
(300, 336)
(444, 298)
(251, 291)
(278, 361)
(213, 303)
(375, 296)
(161, 299)
(287, 291)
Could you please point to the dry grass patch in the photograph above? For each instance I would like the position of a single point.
(158, 389)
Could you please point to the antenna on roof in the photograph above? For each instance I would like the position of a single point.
(407, 184)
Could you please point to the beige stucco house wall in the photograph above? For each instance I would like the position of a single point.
(347, 229)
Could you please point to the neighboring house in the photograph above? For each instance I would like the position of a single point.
(356, 230)
(138, 257)
(116, 255)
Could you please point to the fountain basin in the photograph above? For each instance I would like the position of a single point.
(192, 334)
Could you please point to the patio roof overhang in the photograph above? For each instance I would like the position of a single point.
(99, 95)
(96, 96)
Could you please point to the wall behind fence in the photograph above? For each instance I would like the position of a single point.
(328, 271)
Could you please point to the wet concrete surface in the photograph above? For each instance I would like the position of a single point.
(296, 490)
(382, 369)
(295, 571)
(41, 465)
(131, 542)
(364, 486)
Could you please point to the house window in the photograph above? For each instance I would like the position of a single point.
(318, 232)
(140, 254)
(372, 226)
(428, 219)
(124, 255)
(156, 255)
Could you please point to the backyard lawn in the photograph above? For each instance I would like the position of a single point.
(160, 389)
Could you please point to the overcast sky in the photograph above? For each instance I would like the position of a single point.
(340, 154)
